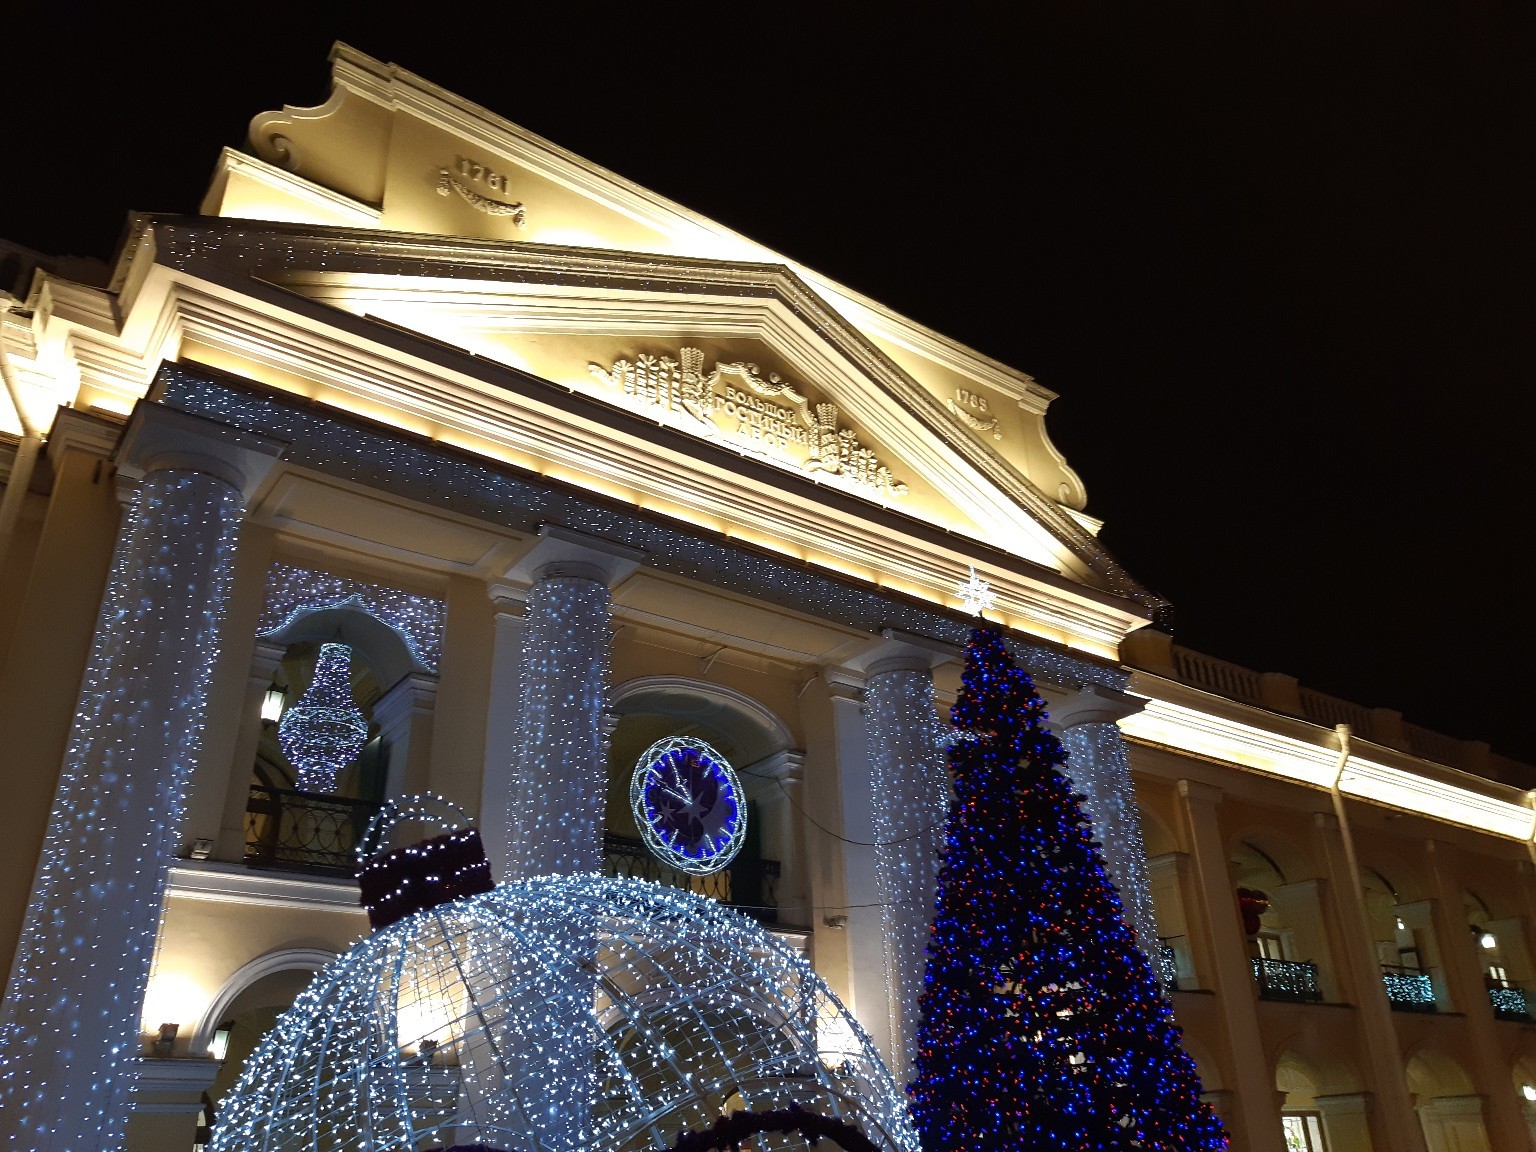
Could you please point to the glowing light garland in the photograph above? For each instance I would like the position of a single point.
(376, 458)
(455, 1026)
(687, 803)
(293, 591)
(70, 1025)
(559, 781)
(910, 798)
(1099, 768)
(324, 730)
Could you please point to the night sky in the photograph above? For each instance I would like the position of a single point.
(1279, 265)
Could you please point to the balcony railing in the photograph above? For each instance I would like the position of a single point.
(1509, 1000)
(1293, 980)
(311, 832)
(1408, 989)
(304, 831)
(749, 886)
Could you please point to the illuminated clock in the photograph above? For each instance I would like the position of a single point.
(688, 804)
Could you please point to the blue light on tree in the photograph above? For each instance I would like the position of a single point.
(1042, 1023)
(325, 730)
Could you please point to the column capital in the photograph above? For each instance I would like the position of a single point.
(1344, 1104)
(897, 651)
(1199, 792)
(567, 552)
(1094, 704)
(785, 764)
(159, 438)
(266, 658)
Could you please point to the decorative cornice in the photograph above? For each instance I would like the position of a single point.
(233, 884)
(1002, 492)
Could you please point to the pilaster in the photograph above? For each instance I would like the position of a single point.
(404, 715)
(1464, 974)
(1254, 1118)
(1347, 1122)
(1358, 956)
(503, 725)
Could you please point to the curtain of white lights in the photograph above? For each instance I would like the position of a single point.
(559, 780)
(910, 787)
(1099, 768)
(70, 1025)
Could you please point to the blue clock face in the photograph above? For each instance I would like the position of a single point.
(687, 802)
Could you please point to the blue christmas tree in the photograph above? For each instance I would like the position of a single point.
(1042, 1023)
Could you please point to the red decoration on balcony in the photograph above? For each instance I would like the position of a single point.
(1251, 904)
(421, 876)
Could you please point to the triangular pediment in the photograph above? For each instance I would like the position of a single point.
(746, 359)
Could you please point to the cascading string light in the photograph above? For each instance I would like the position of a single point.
(376, 458)
(293, 592)
(69, 1033)
(1043, 1025)
(909, 794)
(324, 730)
(1099, 768)
(480, 1021)
(560, 780)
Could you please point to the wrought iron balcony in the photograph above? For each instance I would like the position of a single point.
(1509, 1000)
(304, 831)
(1408, 989)
(1292, 980)
(750, 886)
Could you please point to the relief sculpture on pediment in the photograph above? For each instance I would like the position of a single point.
(762, 415)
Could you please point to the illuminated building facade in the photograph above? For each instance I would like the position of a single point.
(545, 470)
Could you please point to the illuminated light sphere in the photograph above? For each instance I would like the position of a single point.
(325, 730)
(688, 804)
(570, 1012)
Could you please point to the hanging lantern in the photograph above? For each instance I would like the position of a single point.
(325, 730)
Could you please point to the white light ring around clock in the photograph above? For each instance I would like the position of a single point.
(723, 851)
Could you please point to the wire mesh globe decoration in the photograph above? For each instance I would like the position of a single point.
(688, 804)
(562, 1013)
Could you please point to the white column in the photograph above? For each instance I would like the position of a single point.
(1253, 1118)
(557, 793)
(1100, 769)
(909, 790)
(559, 785)
(856, 917)
(70, 1028)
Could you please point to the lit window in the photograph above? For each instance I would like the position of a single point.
(1303, 1132)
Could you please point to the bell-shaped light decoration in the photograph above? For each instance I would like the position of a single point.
(325, 730)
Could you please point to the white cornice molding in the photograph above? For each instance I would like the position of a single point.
(325, 200)
(235, 884)
(1193, 722)
(875, 392)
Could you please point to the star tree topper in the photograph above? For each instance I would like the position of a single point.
(977, 594)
